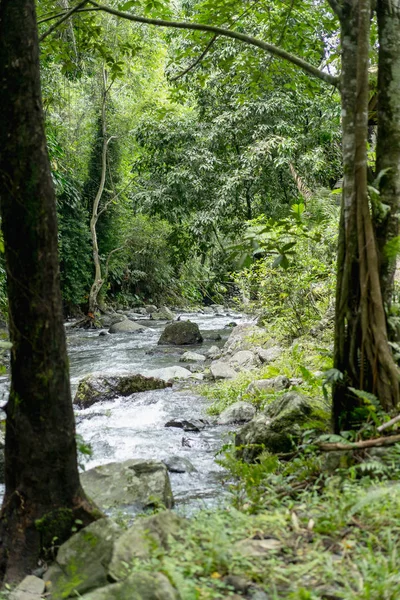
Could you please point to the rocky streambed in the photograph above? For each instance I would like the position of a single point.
(128, 427)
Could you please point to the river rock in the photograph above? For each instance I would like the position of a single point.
(126, 326)
(181, 333)
(179, 464)
(138, 586)
(97, 388)
(192, 425)
(132, 482)
(277, 430)
(150, 308)
(82, 562)
(214, 352)
(222, 370)
(239, 412)
(145, 534)
(244, 359)
(164, 314)
(242, 338)
(30, 588)
(217, 308)
(207, 310)
(268, 355)
(210, 335)
(281, 382)
(192, 357)
(171, 373)
(141, 310)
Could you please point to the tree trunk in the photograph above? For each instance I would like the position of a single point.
(43, 496)
(362, 353)
(388, 142)
(98, 277)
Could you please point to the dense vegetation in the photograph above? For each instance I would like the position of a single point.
(191, 169)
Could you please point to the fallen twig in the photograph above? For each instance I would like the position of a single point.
(382, 441)
(389, 423)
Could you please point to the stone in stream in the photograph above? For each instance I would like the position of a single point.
(163, 314)
(97, 388)
(82, 561)
(192, 356)
(135, 482)
(179, 464)
(207, 310)
(126, 326)
(170, 373)
(150, 308)
(181, 333)
(192, 425)
(214, 352)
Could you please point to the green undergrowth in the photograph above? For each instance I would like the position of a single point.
(331, 537)
(302, 360)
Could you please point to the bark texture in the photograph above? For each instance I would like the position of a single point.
(43, 494)
(388, 142)
(362, 351)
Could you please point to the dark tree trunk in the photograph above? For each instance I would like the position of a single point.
(43, 495)
(388, 142)
(362, 353)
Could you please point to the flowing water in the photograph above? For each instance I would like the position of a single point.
(133, 427)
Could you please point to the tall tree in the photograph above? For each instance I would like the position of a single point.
(43, 497)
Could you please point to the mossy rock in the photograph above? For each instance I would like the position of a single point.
(138, 586)
(181, 333)
(82, 562)
(95, 388)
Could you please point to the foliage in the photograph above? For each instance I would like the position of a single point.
(289, 268)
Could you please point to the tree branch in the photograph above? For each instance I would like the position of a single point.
(299, 62)
(197, 61)
(66, 16)
(382, 441)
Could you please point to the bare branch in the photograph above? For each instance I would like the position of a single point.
(299, 62)
(66, 16)
(382, 441)
(389, 424)
(197, 61)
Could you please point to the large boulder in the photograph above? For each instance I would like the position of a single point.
(239, 412)
(145, 535)
(150, 308)
(82, 562)
(126, 326)
(96, 388)
(163, 314)
(138, 586)
(134, 482)
(277, 430)
(181, 333)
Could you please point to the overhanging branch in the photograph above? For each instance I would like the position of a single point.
(219, 31)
